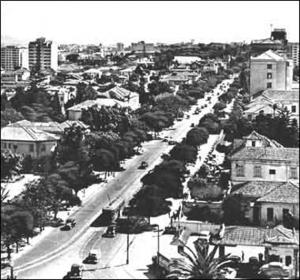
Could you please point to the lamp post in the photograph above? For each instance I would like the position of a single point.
(158, 248)
(11, 276)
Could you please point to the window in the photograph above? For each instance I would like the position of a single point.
(269, 76)
(257, 171)
(239, 170)
(43, 148)
(4, 145)
(293, 109)
(270, 214)
(250, 117)
(269, 85)
(288, 260)
(31, 148)
(293, 173)
(15, 148)
(9, 146)
(253, 143)
(269, 66)
(272, 171)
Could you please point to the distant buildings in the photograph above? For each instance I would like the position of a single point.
(43, 55)
(293, 52)
(13, 57)
(270, 71)
(142, 48)
(282, 99)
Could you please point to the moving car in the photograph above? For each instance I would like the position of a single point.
(172, 142)
(93, 257)
(69, 224)
(143, 165)
(75, 272)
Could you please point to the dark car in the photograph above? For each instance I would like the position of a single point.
(143, 165)
(110, 232)
(172, 142)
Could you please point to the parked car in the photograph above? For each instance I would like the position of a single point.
(69, 224)
(143, 165)
(75, 272)
(192, 125)
(172, 142)
(274, 270)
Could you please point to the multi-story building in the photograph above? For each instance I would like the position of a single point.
(257, 158)
(120, 47)
(270, 71)
(142, 48)
(43, 55)
(13, 57)
(293, 52)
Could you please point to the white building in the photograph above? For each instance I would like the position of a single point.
(14, 57)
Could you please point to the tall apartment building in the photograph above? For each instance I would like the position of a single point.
(270, 71)
(293, 52)
(13, 57)
(43, 55)
(120, 47)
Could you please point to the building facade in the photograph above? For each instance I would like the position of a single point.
(43, 55)
(270, 71)
(259, 160)
(293, 52)
(13, 57)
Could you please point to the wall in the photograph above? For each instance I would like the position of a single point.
(23, 147)
(277, 210)
(74, 115)
(282, 171)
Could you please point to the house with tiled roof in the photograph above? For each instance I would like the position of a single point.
(283, 99)
(28, 140)
(269, 202)
(258, 158)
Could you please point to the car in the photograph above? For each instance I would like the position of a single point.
(66, 227)
(143, 165)
(204, 235)
(192, 125)
(205, 105)
(111, 231)
(165, 139)
(172, 142)
(93, 257)
(202, 107)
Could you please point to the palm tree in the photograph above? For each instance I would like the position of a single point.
(199, 265)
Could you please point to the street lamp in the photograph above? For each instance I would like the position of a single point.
(158, 247)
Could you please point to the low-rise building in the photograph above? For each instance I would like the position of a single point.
(27, 140)
(258, 158)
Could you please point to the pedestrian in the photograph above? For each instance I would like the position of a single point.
(243, 256)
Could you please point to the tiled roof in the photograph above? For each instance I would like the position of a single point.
(266, 41)
(257, 107)
(262, 153)
(177, 77)
(98, 102)
(255, 236)
(285, 193)
(119, 93)
(268, 55)
(257, 189)
(22, 133)
(282, 95)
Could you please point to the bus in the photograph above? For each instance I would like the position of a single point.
(113, 211)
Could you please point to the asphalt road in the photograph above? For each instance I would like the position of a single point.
(52, 258)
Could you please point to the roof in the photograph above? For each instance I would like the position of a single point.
(267, 153)
(282, 95)
(256, 108)
(269, 55)
(21, 133)
(109, 102)
(266, 41)
(285, 193)
(119, 93)
(255, 236)
(177, 77)
(257, 189)
(51, 127)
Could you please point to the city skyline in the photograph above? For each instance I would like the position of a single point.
(129, 21)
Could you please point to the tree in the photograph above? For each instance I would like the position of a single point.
(197, 136)
(184, 153)
(199, 265)
(149, 202)
(73, 57)
(10, 115)
(235, 207)
(11, 164)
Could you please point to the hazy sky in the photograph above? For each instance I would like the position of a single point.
(167, 22)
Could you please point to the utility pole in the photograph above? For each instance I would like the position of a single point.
(11, 276)
(127, 259)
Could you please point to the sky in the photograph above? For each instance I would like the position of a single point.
(106, 22)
